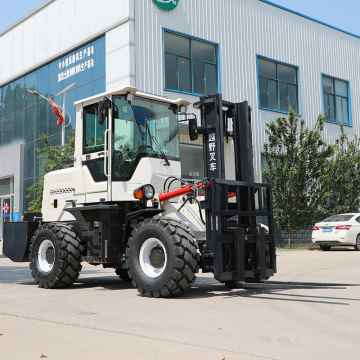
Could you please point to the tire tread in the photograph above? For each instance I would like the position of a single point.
(69, 265)
(186, 264)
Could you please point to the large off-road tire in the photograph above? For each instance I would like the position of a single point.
(55, 256)
(163, 257)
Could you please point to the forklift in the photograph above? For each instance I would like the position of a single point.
(122, 203)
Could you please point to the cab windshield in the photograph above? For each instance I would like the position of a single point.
(143, 128)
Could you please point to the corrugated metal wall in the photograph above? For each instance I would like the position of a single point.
(244, 29)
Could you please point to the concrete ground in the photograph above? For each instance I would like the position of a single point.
(101, 317)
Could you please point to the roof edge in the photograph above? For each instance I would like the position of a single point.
(31, 13)
(310, 18)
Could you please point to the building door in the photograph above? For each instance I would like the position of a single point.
(6, 202)
(6, 212)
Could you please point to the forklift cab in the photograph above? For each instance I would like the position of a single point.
(125, 139)
(139, 128)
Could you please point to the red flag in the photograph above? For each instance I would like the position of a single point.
(57, 112)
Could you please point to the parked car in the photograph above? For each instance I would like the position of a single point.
(341, 229)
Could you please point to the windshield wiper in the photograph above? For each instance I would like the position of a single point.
(152, 139)
(162, 154)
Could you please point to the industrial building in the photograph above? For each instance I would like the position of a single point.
(248, 50)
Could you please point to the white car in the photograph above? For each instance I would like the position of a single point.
(341, 229)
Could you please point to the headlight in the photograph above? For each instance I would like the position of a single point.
(144, 192)
(149, 191)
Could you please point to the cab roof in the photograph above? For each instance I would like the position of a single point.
(134, 91)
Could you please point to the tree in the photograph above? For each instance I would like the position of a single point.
(343, 182)
(50, 158)
(296, 158)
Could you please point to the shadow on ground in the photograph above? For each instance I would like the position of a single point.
(204, 287)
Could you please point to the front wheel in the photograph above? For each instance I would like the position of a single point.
(163, 257)
(325, 247)
(55, 256)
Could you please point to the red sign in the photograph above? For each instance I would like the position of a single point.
(6, 208)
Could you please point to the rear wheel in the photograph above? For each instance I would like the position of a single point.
(325, 247)
(55, 256)
(163, 257)
(357, 243)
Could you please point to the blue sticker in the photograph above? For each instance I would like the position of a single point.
(16, 217)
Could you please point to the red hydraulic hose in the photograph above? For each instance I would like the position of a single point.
(170, 194)
(187, 189)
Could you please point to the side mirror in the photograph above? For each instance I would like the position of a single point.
(101, 112)
(193, 132)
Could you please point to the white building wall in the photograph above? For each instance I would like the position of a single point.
(245, 29)
(55, 28)
(120, 54)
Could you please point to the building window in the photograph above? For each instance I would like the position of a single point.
(6, 186)
(278, 86)
(336, 100)
(190, 65)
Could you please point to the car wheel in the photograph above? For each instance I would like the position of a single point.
(325, 247)
(357, 243)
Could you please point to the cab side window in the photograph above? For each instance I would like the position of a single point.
(358, 219)
(93, 131)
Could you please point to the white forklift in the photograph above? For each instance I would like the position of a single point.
(117, 204)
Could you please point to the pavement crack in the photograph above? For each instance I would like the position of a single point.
(132, 334)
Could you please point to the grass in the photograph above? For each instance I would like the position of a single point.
(309, 247)
(297, 247)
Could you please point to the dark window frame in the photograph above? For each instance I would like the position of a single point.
(278, 83)
(191, 59)
(335, 95)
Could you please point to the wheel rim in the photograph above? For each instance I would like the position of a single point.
(46, 256)
(153, 257)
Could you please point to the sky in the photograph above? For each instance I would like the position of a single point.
(343, 14)
(13, 10)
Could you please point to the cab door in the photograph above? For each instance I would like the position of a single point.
(96, 167)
